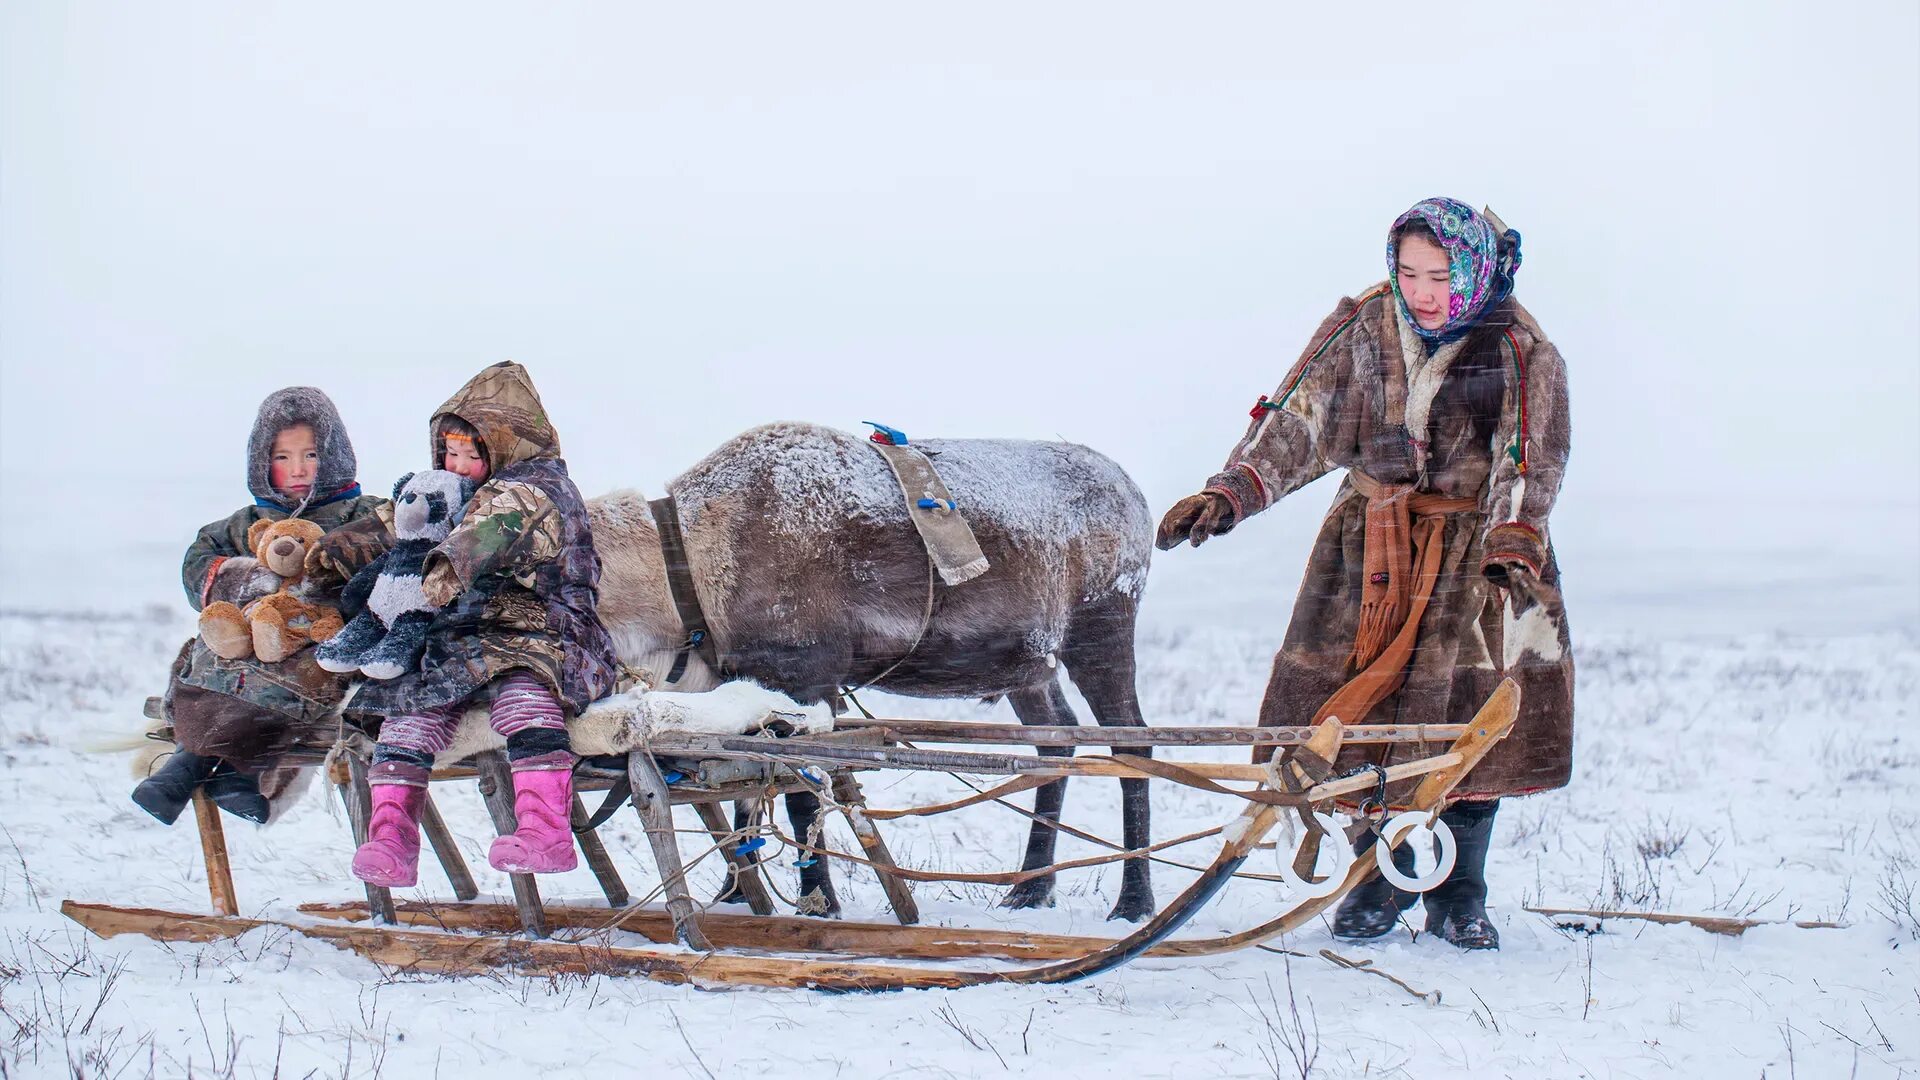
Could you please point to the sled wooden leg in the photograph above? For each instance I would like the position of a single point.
(846, 792)
(213, 847)
(496, 787)
(656, 814)
(446, 850)
(359, 800)
(597, 859)
(746, 870)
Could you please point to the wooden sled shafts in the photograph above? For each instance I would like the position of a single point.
(959, 731)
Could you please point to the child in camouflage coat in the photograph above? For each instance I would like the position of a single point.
(517, 585)
(300, 463)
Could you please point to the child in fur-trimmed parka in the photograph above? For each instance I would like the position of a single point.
(517, 587)
(300, 463)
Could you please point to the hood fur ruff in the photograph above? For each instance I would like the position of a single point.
(300, 405)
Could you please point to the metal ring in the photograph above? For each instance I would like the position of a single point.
(1334, 839)
(1402, 823)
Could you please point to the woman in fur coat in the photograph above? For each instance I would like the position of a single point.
(1447, 406)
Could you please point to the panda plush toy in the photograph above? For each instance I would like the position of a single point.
(385, 640)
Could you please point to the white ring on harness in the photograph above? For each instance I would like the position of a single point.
(1334, 839)
(1405, 822)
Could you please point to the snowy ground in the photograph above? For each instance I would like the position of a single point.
(1750, 773)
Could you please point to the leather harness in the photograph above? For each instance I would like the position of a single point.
(673, 546)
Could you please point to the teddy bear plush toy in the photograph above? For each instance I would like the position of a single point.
(284, 621)
(385, 641)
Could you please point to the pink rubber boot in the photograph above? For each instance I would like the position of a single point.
(543, 844)
(391, 855)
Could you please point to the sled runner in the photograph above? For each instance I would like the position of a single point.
(729, 950)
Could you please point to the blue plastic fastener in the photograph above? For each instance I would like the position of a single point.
(937, 504)
(894, 435)
(750, 846)
(803, 865)
(673, 776)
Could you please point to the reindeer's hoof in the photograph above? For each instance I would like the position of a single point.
(730, 895)
(1036, 893)
(1132, 908)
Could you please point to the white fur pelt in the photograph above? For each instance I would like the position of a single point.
(622, 723)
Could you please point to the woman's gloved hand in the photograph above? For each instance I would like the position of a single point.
(1194, 519)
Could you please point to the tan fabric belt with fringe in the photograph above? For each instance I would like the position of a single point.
(1402, 550)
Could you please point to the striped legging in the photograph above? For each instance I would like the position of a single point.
(521, 704)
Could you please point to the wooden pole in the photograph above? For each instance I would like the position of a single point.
(1712, 924)
(496, 787)
(846, 792)
(447, 850)
(744, 868)
(359, 800)
(597, 858)
(213, 848)
(656, 815)
(960, 731)
(802, 750)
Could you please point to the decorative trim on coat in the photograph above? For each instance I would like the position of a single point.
(1514, 541)
(1299, 371)
(1242, 488)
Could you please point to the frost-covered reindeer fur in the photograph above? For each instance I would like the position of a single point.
(813, 579)
(385, 640)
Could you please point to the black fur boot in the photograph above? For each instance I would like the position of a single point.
(237, 793)
(1457, 907)
(1373, 908)
(166, 792)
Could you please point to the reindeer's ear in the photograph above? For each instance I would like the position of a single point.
(400, 485)
(254, 532)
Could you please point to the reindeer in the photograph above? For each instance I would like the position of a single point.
(813, 580)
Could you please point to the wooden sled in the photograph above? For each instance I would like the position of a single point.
(726, 950)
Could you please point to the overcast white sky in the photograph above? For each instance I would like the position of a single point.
(1113, 223)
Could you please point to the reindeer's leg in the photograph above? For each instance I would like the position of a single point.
(1037, 706)
(1099, 656)
(816, 877)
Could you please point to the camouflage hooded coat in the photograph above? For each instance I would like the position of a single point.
(519, 576)
(1484, 419)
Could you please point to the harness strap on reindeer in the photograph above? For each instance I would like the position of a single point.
(686, 600)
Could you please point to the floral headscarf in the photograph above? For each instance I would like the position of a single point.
(1482, 254)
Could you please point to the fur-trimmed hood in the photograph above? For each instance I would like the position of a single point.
(301, 405)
